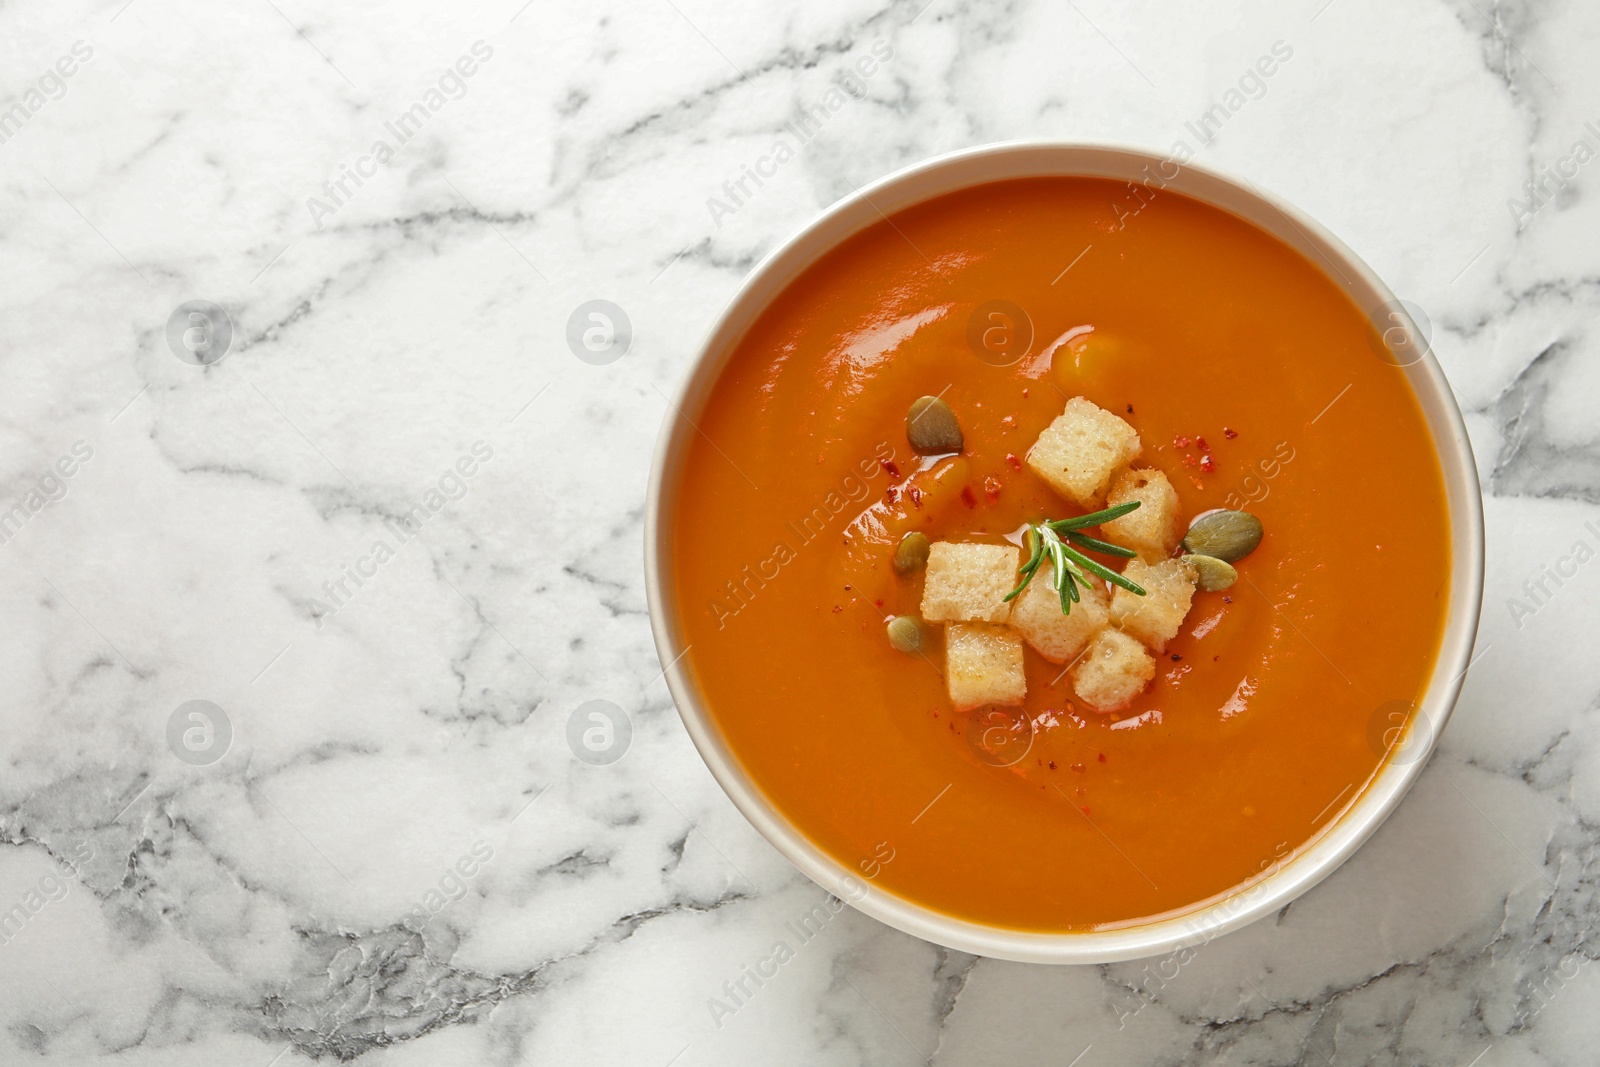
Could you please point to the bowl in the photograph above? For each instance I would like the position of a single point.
(1406, 348)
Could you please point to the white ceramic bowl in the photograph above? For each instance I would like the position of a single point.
(1364, 811)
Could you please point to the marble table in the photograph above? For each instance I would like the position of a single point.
(295, 638)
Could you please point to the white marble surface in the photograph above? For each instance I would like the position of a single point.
(295, 901)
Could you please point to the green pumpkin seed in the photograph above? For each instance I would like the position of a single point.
(1212, 575)
(932, 428)
(905, 634)
(1224, 535)
(911, 554)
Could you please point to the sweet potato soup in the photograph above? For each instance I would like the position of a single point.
(1246, 381)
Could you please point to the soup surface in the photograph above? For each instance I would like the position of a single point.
(1272, 707)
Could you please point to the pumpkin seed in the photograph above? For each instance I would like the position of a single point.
(905, 634)
(1224, 535)
(932, 428)
(1212, 575)
(911, 553)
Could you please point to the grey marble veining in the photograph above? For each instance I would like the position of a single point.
(390, 846)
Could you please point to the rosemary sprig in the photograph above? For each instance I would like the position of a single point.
(1070, 567)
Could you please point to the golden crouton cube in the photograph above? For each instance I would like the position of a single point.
(1113, 671)
(1155, 617)
(983, 665)
(969, 583)
(1151, 529)
(1079, 451)
(1037, 616)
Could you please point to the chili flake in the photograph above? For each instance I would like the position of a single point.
(967, 498)
(888, 465)
(1016, 464)
(1207, 463)
(1229, 434)
(991, 488)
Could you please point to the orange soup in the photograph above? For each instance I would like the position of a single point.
(1253, 383)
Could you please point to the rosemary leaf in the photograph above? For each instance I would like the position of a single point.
(1036, 558)
(1083, 540)
(1094, 518)
(1065, 579)
(1104, 572)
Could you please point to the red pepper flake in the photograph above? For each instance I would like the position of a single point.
(1176, 658)
(1084, 809)
(888, 465)
(1180, 441)
(967, 498)
(1024, 394)
(847, 587)
(837, 609)
(1189, 460)
(1052, 765)
(1008, 424)
(1078, 767)
(991, 488)
(1207, 464)
(890, 495)
(1130, 409)
(1102, 757)
(1229, 434)
(1016, 464)
(877, 603)
(1227, 600)
(916, 496)
(1200, 443)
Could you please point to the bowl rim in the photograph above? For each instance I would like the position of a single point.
(1287, 877)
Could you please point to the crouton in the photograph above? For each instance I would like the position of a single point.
(1079, 451)
(1151, 529)
(1113, 671)
(983, 665)
(1155, 617)
(1036, 615)
(969, 583)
